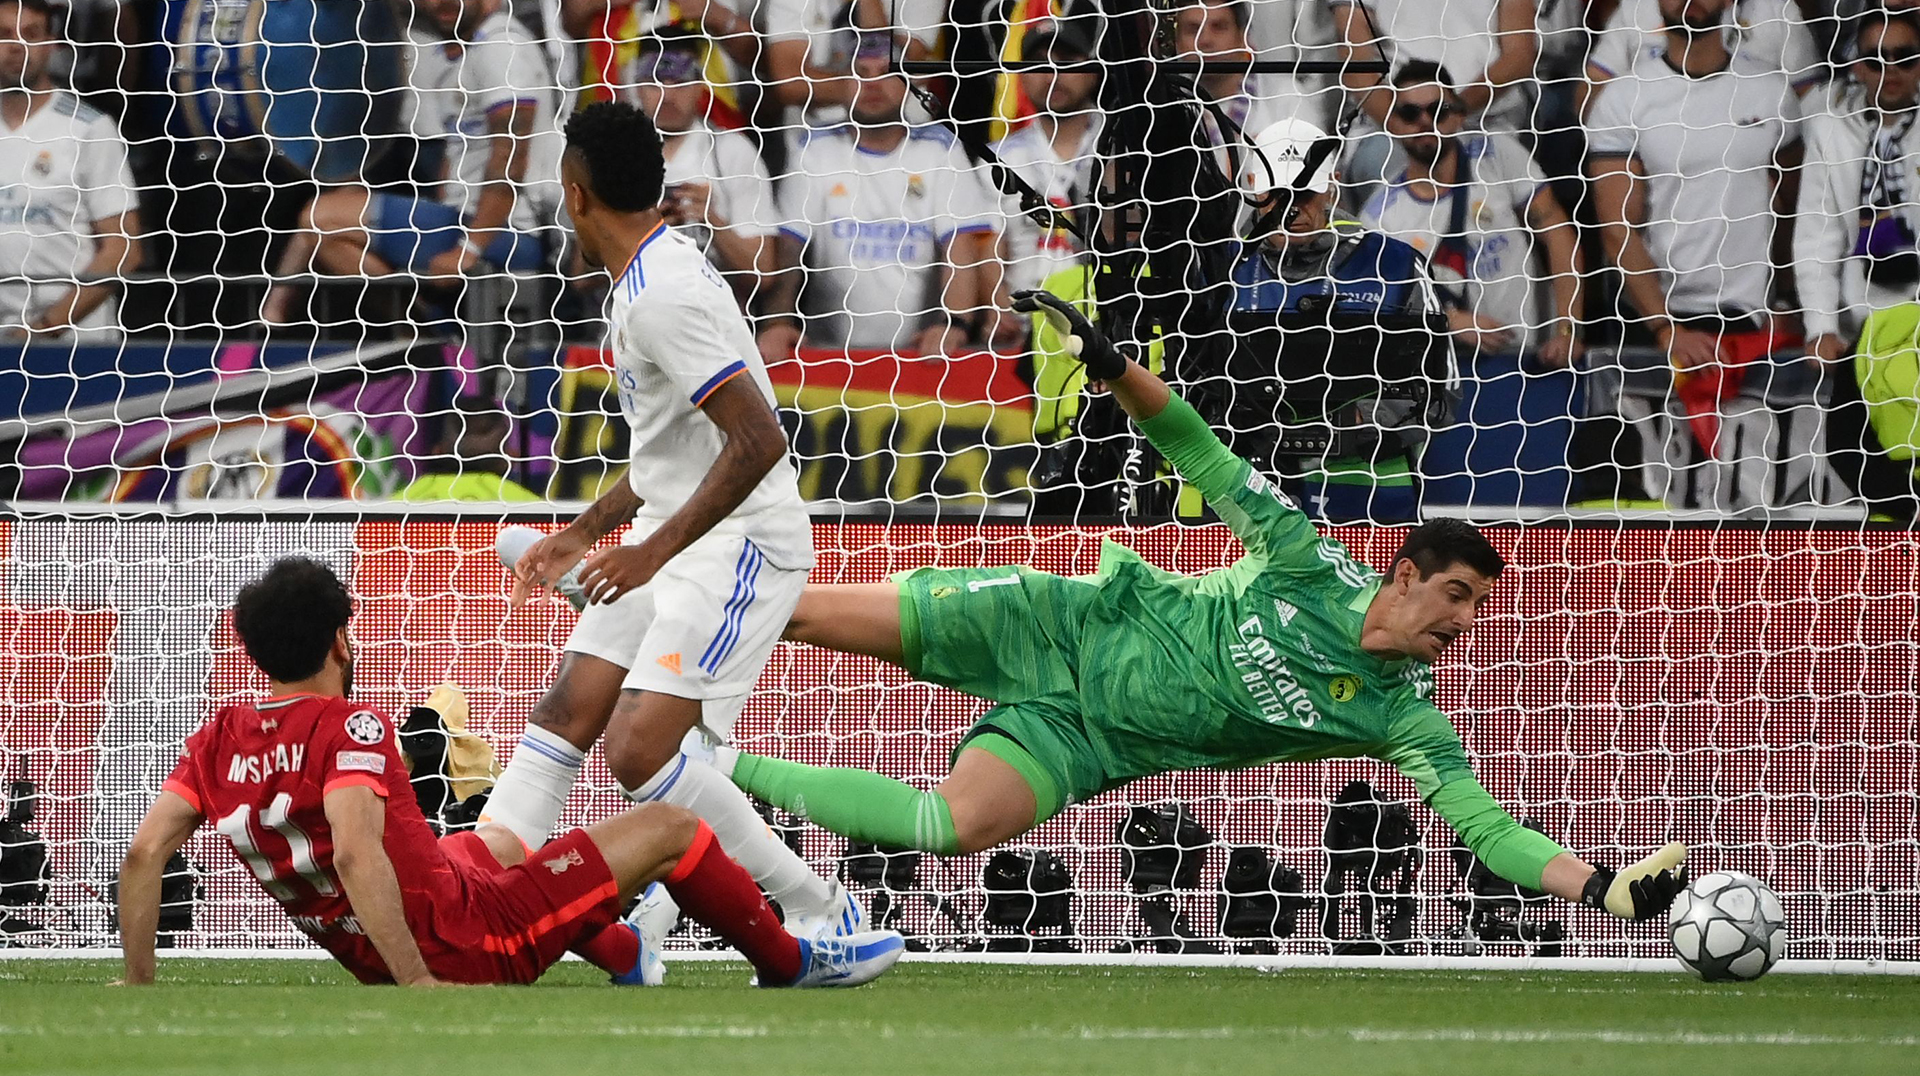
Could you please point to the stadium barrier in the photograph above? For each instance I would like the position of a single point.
(1749, 691)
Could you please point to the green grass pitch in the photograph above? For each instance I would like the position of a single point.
(293, 1017)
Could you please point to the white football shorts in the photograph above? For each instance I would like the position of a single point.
(703, 628)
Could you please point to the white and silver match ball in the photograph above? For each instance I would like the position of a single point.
(1728, 926)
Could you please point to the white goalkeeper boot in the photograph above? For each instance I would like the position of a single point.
(512, 543)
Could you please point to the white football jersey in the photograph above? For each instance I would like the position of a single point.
(678, 336)
(1707, 144)
(458, 86)
(1035, 252)
(60, 171)
(727, 162)
(1504, 280)
(875, 226)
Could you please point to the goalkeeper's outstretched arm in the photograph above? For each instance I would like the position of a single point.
(1524, 857)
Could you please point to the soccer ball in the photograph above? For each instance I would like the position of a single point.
(1728, 926)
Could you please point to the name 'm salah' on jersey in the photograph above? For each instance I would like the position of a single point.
(260, 775)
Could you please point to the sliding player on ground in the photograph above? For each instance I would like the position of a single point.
(311, 790)
(1296, 652)
(686, 611)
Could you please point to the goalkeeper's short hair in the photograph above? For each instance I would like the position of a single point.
(1439, 544)
(289, 617)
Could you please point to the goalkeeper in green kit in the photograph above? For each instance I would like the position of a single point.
(1294, 653)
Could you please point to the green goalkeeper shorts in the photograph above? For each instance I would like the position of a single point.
(1010, 635)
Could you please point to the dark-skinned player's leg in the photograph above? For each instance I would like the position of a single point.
(530, 796)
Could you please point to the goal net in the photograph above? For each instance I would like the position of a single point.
(294, 276)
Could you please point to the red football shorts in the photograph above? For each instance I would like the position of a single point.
(526, 916)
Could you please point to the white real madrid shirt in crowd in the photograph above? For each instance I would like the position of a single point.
(827, 28)
(875, 227)
(1768, 35)
(1456, 34)
(728, 163)
(1500, 274)
(459, 85)
(1707, 145)
(1861, 172)
(1035, 252)
(62, 169)
(678, 336)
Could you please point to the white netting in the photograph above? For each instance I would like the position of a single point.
(317, 254)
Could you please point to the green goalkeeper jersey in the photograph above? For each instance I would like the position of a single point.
(1261, 662)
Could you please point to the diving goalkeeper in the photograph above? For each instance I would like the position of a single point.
(1296, 652)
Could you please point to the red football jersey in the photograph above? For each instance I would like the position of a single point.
(261, 773)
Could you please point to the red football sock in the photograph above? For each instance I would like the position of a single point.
(720, 895)
(615, 950)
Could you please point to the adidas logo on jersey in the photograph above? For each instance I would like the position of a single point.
(670, 662)
(1286, 610)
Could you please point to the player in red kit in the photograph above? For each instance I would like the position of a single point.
(312, 793)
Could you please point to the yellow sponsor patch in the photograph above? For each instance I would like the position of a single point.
(1344, 688)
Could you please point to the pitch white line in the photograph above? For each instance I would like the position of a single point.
(1610, 965)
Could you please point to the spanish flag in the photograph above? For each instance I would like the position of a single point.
(614, 43)
(1010, 106)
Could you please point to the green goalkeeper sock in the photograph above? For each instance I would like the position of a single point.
(853, 803)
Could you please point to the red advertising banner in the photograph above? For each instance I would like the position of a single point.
(1751, 692)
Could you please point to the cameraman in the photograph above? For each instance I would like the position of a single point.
(1299, 259)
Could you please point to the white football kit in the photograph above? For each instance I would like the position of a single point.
(705, 625)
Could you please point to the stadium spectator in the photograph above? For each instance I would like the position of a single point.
(1684, 156)
(1476, 205)
(717, 189)
(468, 459)
(611, 34)
(1216, 30)
(484, 88)
(1054, 150)
(893, 229)
(1495, 40)
(68, 219)
(810, 47)
(1855, 247)
(1767, 35)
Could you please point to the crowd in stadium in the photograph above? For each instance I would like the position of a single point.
(1744, 165)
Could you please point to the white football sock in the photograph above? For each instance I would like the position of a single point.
(743, 835)
(532, 792)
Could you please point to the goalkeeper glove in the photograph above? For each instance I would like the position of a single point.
(1643, 890)
(1084, 342)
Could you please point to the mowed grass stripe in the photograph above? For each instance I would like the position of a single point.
(295, 1018)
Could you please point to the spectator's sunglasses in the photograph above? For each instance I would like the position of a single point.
(1901, 60)
(1411, 113)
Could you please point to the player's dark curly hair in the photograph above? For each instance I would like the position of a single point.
(288, 618)
(626, 168)
(1439, 544)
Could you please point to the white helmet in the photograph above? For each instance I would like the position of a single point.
(1273, 157)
